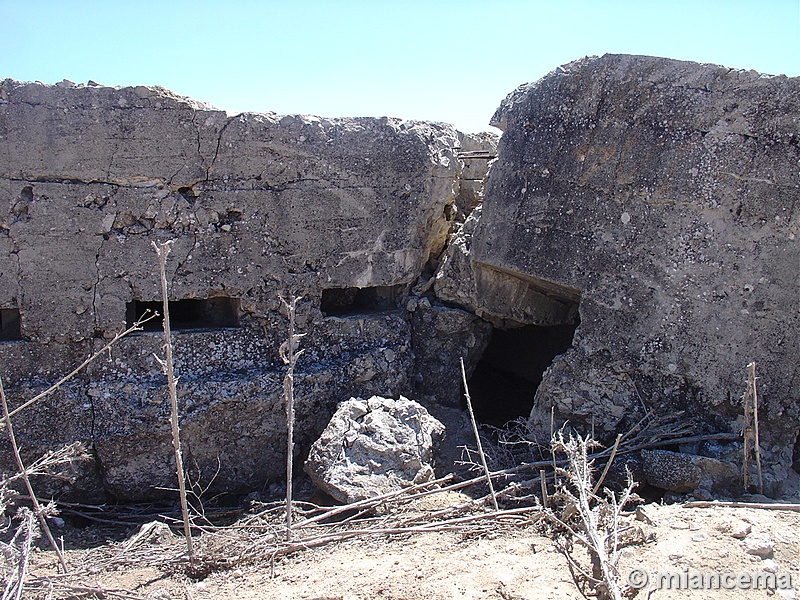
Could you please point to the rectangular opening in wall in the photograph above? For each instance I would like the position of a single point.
(208, 313)
(10, 324)
(342, 302)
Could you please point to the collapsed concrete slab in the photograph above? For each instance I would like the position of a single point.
(657, 201)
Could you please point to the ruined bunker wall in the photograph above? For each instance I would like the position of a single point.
(258, 206)
(665, 193)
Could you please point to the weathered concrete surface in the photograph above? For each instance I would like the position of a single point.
(373, 447)
(259, 206)
(664, 196)
(443, 337)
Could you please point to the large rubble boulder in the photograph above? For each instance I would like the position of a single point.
(656, 199)
(372, 447)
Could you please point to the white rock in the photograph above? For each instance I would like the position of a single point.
(741, 530)
(770, 566)
(374, 447)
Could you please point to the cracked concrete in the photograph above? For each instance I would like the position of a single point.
(258, 206)
(613, 180)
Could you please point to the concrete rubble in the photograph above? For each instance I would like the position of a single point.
(373, 447)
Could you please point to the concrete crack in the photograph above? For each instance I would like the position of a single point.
(96, 284)
(183, 261)
(216, 150)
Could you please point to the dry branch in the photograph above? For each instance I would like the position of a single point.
(750, 430)
(38, 510)
(289, 354)
(758, 505)
(162, 251)
(478, 437)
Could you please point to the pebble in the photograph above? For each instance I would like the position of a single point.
(770, 566)
(741, 530)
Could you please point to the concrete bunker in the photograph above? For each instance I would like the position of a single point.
(206, 313)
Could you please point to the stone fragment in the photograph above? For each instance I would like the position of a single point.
(770, 566)
(741, 529)
(759, 544)
(670, 471)
(375, 446)
(443, 336)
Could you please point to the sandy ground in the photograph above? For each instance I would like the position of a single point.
(509, 563)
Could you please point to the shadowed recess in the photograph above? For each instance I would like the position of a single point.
(10, 324)
(208, 313)
(508, 374)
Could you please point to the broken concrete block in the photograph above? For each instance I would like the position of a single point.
(653, 198)
(759, 544)
(372, 447)
(670, 471)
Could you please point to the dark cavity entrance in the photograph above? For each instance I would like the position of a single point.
(508, 374)
(342, 302)
(10, 324)
(209, 313)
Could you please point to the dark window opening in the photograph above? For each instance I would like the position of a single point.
(508, 374)
(10, 324)
(340, 302)
(209, 313)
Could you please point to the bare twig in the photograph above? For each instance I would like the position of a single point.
(602, 477)
(543, 483)
(37, 507)
(478, 437)
(18, 554)
(289, 354)
(162, 251)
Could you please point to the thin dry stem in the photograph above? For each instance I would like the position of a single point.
(602, 477)
(18, 555)
(37, 507)
(478, 437)
(162, 251)
(289, 354)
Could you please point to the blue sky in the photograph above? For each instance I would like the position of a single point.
(438, 60)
